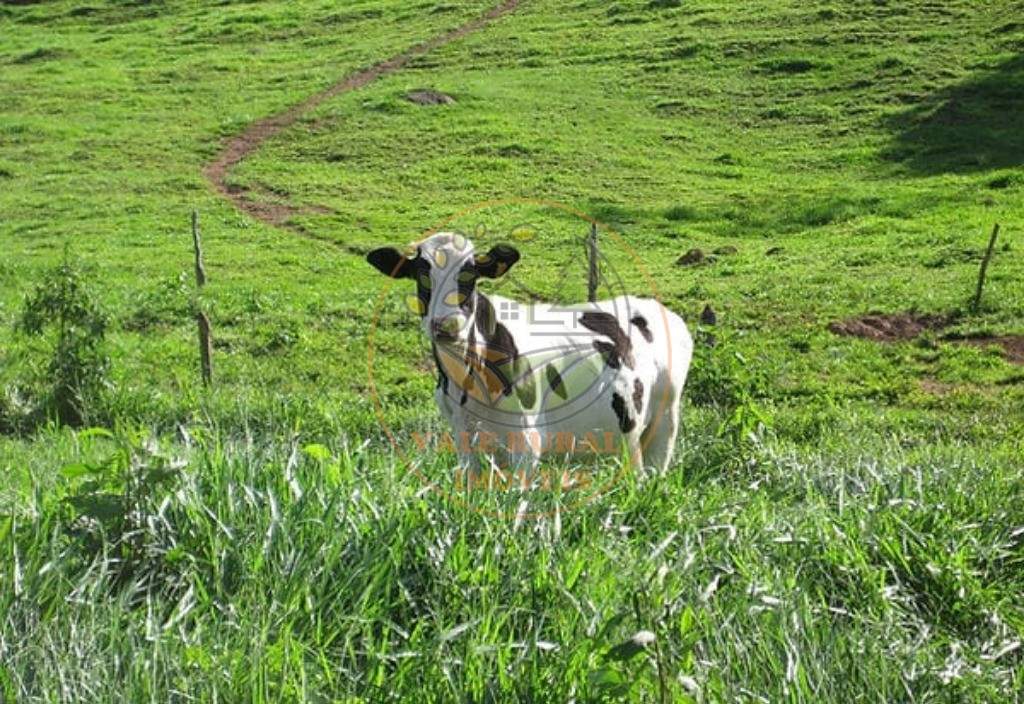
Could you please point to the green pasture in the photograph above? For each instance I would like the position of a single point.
(845, 518)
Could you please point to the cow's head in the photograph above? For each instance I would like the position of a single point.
(445, 268)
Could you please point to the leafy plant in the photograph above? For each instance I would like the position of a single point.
(724, 378)
(63, 307)
(644, 665)
(108, 503)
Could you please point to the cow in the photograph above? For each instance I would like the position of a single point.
(531, 381)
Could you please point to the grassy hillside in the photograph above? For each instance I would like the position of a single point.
(109, 115)
(869, 149)
(845, 518)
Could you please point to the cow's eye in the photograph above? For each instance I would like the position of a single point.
(455, 298)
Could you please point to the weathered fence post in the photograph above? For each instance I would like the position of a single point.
(205, 342)
(976, 304)
(594, 274)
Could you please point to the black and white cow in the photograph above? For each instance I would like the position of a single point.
(526, 381)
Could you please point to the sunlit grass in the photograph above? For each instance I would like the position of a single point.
(844, 520)
(285, 568)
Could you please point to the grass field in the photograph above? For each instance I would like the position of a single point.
(845, 518)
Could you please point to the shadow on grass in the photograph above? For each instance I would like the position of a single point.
(977, 125)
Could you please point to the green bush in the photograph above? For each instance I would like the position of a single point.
(735, 388)
(63, 310)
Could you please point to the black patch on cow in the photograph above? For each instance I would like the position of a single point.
(423, 283)
(390, 262)
(471, 330)
(514, 371)
(465, 397)
(499, 259)
(555, 381)
(485, 321)
(466, 283)
(607, 350)
(626, 422)
(442, 378)
(640, 322)
(638, 396)
(617, 352)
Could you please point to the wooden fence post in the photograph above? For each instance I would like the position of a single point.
(976, 303)
(594, 274)
(205, 342)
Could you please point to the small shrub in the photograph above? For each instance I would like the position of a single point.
(722, 376)
(111, 507)
(63, 308)
(724, 379)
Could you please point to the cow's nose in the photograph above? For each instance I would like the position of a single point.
(446, 328)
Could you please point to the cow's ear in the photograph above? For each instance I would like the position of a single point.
(390, 262)
(497, 261)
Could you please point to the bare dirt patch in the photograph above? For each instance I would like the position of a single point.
(264, 205)
(889, 327)
(900, 327)
(1013, 345)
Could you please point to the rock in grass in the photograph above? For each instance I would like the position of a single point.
(694, 256)
(428, 96)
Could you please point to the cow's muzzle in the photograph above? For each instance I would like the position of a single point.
(447, 329)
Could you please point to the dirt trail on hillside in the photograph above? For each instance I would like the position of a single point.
(240, 146)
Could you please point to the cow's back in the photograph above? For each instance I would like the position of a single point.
(614, 365)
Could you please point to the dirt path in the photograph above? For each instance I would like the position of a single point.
(240, 146)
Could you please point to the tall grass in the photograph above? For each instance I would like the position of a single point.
(222, 568)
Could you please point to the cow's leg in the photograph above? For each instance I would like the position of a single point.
(635, 448)
(469, 461)
(659, 439)
(522, 448)
(463, 433)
